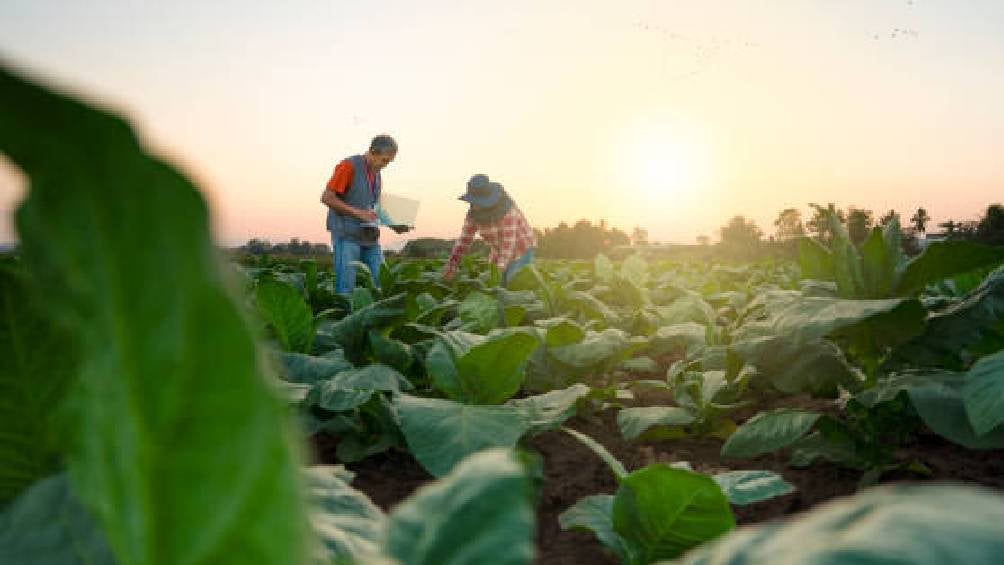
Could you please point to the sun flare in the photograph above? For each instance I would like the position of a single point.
(663, 161)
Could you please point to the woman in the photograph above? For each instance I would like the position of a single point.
(501, 225)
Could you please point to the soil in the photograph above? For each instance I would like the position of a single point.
(572, 471)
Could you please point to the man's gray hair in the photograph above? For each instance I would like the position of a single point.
(383, 144)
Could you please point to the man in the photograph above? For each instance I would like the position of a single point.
(501, 224)
(353, 197)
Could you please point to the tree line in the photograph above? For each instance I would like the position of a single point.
(739, 238)
(742, 233)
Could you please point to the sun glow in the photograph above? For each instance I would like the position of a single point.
(663, 161)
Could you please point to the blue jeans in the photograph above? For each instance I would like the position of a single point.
(344, 252)
(516, 265)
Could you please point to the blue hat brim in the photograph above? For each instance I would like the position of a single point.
(486, 201)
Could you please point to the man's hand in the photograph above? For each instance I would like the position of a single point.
(400, 228)
(366, 215)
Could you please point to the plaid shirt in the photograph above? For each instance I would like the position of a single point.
(509, 238)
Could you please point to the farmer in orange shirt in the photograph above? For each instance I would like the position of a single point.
(353, 200)
(501, 224)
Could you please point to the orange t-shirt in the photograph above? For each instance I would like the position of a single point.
(342, 177)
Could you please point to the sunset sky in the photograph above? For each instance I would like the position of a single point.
(669, 115)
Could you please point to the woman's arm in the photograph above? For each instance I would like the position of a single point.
(460, 248)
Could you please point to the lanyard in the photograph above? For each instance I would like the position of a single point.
(370, 177)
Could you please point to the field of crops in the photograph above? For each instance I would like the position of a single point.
(159, 405)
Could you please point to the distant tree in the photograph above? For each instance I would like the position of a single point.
(257, 246)
(819, 224)
(789, 225)
(919, 220)
(991, 228)
(427, 248)
(740, 236)
(889, 217)
(859, 224)
(967, 229)
(703, 240)
(580, 241)
(639, 236)
(950, 227)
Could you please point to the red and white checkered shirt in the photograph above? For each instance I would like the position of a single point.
(509, 238)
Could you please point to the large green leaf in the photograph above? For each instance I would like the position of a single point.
(983, 393)
(345, 520)
(480, 513)
(549, 410)
(750, 487)
(689, 308)
(595, 514)
(815, 260)
(769, 431)
(47, 524)
(662, 512)
(881, 255)
(492, 371)
(289, 317)
(806, 318)
(603, 268)
(310, 369)
(561, 332)
(440, 433)
(635, 421)
(479, 312)
(943, 259)
(352, 388)
(939, 403)
(685, 337)
(596, 348)
(635, 270)
(171, 393)
(921, 525)
(480, 369)
(352, 331)
(792, 366)
(971, 328)
(392, 352)
(39, 361)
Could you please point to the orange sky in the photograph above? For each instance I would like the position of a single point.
(672, 116)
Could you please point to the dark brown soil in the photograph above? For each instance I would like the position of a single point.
(572, 471)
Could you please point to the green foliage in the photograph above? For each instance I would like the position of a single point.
(440, 433)
(549, 410)
(748, 487)
(39, 364)
(769, 431)
(479, 313)
(484, 511)
(351, 333)
(352, 388)
(479, 513)
(960, 332)
(287, 315)
(349, 526)
(480, 369)
(880, 270)
(580, 241)
(170, 394)
(658, 512)
(926, 525)
(48, 524)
